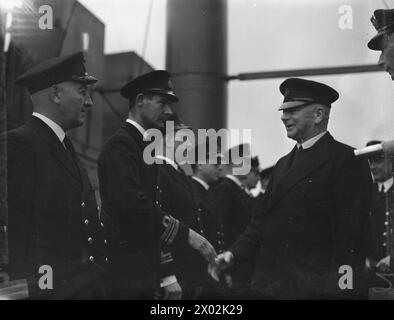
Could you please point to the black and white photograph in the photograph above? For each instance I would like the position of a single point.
(196, 155)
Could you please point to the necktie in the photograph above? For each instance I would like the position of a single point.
(70, 150)
(297, 156)
(68, 146)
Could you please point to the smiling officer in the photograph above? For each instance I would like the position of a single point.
(314, 218)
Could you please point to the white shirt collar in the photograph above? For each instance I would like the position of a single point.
(138, 126)
(202, 182)
(168, 160)
(310, 142)
(236, 180)
(248, 192)
(58, 130)
(387, 184)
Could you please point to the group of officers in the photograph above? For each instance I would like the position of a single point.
(162, 234)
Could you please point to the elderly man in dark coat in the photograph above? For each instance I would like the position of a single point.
(315, 217)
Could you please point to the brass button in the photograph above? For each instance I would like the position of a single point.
(90, 240)
(106, 259)
(83, 204)
(86, 222)
(91, 259)
(384, 244)
(102, 224)
(105, 241)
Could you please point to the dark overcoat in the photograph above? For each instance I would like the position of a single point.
(314, 220)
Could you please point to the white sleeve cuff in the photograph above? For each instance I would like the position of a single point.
(164, 282)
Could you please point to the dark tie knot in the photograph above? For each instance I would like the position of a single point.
(299, 152)
(67, 142)
(297, 156)
(68, 146)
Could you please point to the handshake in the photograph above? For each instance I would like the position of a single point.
(222, 262)
(217, 263)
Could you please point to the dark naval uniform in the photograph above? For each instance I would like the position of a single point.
(212, 228)
(235, 210)
(382, 240)
(128, 188)
(314, 220)
(53, 216)
(177, 199)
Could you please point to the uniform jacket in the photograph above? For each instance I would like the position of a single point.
(208, 213)
(127, 187)
(177, 199)
(235, 209)
(378, 241)
(53, 216)
(314, 220)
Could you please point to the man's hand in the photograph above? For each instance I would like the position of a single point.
(222, 262)
(384, 264)
(202, 245)
(172, 292)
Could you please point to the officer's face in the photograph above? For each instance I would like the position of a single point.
(299, 122)
(75, 102)
(381, 168)
(210, 172)
(155, 111)
(386, 60)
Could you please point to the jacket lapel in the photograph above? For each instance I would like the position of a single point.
(55, 146)
(317, 156)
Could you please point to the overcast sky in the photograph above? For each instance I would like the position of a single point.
(269, 35)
